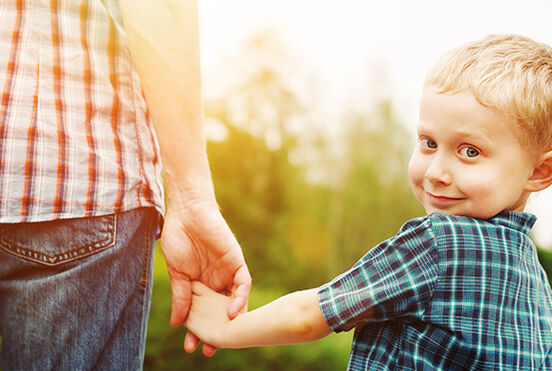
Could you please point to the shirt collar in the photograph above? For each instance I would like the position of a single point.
(520, 221)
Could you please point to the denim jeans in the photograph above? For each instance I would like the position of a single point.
(75, 293)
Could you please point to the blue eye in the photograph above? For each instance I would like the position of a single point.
(469, 152)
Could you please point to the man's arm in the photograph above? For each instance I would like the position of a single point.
(291, 319)
(163, 38)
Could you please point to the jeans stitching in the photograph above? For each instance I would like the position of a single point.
(144, 281)
(147, 249)
(68, 256)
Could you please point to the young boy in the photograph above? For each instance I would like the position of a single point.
(460, 288)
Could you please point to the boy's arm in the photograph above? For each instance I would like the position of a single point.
(291, 319)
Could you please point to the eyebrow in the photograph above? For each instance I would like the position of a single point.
(468, 135)
(478, 135)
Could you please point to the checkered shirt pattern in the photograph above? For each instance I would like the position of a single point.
(447, 293)
(76, 138)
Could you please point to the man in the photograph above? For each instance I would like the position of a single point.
(80, 185)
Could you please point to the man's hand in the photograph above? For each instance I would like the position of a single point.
(199, 246)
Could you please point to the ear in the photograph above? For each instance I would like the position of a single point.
(541, 177)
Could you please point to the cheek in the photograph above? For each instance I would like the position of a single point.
(415, 169)
(480, 184)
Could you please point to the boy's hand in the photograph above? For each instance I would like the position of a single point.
(208, 318)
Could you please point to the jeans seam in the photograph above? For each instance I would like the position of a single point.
(144, 283)
(147, 252)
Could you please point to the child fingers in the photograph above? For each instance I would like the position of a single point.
(199, 288)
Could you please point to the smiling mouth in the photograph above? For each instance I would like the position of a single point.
(442, 200)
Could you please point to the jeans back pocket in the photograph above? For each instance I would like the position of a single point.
(56, 242)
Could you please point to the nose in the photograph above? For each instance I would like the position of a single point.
(438, 172)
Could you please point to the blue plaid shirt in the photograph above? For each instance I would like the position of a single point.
(447, 293)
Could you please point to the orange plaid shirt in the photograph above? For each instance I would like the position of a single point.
(76, 139)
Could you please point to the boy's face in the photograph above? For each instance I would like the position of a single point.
(468, 159)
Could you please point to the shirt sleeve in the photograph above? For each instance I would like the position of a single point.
(394, 279)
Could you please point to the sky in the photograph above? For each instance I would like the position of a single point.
(348, 43)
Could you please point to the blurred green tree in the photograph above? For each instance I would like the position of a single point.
(285, 223)
(373, 197)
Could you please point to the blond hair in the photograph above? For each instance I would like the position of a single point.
(510, 73)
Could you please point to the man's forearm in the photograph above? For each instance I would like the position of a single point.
(163, 37)
(164, 42)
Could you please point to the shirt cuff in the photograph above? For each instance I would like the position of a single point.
(329, 309)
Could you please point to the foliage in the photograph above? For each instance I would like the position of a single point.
(545, 258)
(373, 198)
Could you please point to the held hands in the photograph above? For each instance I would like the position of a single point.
(291, 319)
(207, 318)
(199, 246)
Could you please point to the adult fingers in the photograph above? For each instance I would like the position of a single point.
(242, 281)
(209, 350)
(181, 289)
(190, 342)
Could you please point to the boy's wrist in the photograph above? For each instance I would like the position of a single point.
(225, 339)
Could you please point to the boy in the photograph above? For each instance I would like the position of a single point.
(460, 288)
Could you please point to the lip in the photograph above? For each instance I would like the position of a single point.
(442, 200)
